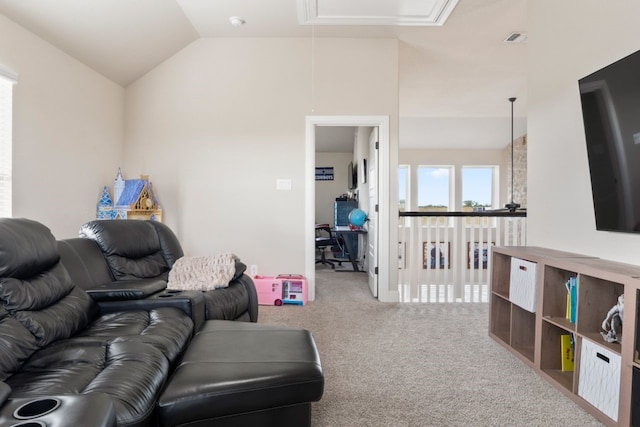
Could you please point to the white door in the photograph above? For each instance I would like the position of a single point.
(372, 225)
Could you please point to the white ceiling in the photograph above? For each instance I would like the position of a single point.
(461, 70)
(121, 39)
(335, 139)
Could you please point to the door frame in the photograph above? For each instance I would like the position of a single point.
(382, 122)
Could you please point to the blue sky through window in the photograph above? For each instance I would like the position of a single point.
(433, 186)
(434, 182)
(477, 183)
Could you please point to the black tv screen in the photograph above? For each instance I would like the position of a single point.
(610, 100)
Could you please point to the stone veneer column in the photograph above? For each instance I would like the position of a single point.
(520, 171)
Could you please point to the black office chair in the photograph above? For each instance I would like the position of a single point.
(326, 239)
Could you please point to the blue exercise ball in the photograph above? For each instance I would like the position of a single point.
(357, 217)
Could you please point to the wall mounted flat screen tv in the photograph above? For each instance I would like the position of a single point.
(610, 100)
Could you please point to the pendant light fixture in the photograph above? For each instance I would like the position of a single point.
(512, 206)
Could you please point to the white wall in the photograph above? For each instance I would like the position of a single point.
(457, 159)
(67, 132)
(218, 123)
(567, 41)
(327, 191)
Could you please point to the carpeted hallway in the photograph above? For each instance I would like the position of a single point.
(417, 364)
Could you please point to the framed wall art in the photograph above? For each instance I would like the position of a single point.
(436, 255)
(324, 173)
(364, 171)
(477, 258)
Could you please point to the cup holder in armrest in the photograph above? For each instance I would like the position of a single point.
(32, 423)
(169, 293)
(36, 408)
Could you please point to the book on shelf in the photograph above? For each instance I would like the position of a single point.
(566, 352)
(572, 298)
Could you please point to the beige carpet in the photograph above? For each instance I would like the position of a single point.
(417, 364)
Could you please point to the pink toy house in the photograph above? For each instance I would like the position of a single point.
(281, 289)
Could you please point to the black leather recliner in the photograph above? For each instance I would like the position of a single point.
(144, 252)
(54, 339)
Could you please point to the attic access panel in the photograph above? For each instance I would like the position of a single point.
(375, 12)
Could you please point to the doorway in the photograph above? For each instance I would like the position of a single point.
(382, 223)
(335, 152)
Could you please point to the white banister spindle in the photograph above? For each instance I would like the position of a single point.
(457, 274)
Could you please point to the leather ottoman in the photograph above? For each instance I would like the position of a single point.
(240, 374)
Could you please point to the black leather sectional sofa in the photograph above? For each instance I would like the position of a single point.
(89, 335)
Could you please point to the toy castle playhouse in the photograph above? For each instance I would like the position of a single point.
(134, 200)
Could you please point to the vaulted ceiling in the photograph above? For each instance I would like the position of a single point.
(457, 71)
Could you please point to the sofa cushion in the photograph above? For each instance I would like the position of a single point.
(132, 374)
(88, 269)
(132, 248)
(171, 248)
(35, 288)
(25, 246)
(48, 305)
(168, 329)
(61, 320)
(84, 262)
(17, 344)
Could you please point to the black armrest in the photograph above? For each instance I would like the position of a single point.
(93, 409)
(127, 289)
(191, 302)
(5, 391)
(253, 296)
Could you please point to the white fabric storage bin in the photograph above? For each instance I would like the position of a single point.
(522, 284)
(599, 381)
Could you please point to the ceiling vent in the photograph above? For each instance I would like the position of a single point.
(516, 37)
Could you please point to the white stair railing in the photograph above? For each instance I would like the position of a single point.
(445, 256)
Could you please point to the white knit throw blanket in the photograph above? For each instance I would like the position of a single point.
(202, 273)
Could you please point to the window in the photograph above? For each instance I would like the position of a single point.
(6, 102)
(404, 204)
(434, 192)
(403, 188)
(434, 184)
(477, 187)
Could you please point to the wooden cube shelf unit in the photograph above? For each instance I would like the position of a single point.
(535, 337)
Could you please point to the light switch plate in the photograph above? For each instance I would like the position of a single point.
(283, 184)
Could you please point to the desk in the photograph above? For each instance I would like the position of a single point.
(344, 232)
